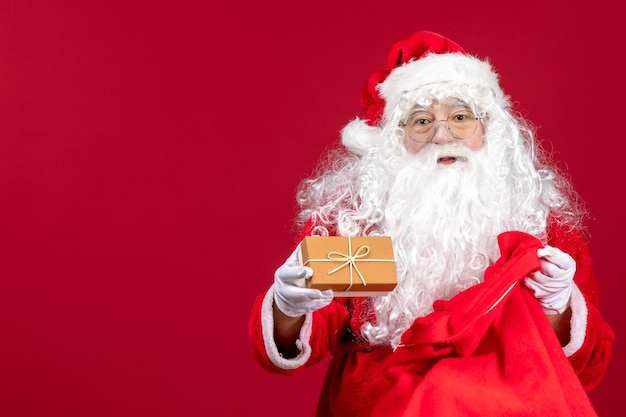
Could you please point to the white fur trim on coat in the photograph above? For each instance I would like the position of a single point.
(578, 323)
(267, 322)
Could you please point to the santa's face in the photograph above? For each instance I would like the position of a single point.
(441, 123)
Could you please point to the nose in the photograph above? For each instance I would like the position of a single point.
(442, 134)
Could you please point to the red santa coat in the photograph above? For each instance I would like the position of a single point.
(489, 351)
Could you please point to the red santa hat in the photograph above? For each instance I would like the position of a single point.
(422, 58)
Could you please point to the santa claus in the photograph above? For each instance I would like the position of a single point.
(443, 165)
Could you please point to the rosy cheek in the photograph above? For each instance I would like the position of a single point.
(476, 145)
(412, 146)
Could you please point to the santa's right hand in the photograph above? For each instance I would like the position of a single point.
(290, 294)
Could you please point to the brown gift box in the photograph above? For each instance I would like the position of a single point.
(350, 266)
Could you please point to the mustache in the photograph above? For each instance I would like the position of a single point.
(452, 149)
(429, 155)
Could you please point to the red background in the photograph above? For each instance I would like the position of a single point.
(149, 153)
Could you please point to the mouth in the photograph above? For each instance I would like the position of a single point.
(449, 160)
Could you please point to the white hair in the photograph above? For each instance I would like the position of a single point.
(443, 220)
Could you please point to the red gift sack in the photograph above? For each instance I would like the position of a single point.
(489, 351)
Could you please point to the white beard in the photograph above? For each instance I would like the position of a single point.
(444, 221)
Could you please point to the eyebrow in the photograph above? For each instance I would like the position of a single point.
(448, 104)
(456, 103)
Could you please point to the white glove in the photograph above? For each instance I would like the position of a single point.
(552, 285)
(290, 295)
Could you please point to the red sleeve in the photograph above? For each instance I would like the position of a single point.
(591, 360)
(328, 325)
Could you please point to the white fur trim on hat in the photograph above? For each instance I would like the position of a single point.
(359, 137)
(453, 67)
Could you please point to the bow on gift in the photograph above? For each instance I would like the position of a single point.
(349, 260)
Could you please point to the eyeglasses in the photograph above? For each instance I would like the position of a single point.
(421, 126)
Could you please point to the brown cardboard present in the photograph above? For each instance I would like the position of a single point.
(350, 266)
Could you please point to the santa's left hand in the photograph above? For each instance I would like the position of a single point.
(552, 285)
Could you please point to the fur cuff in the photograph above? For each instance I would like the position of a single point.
(578, 323)
(267, 321)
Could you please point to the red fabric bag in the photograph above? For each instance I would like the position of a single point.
(489, 351)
